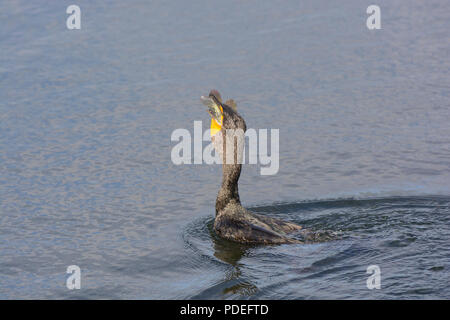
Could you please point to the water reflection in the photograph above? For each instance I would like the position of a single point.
(231, 252)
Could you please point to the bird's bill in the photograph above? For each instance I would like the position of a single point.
(213, 109)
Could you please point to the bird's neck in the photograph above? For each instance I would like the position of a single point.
(228, 193)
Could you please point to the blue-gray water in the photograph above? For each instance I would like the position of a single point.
(86, 118)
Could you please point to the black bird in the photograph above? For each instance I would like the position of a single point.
(233, 221)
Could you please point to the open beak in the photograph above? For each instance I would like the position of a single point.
(213, 109)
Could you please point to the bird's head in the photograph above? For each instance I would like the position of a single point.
(223, 115)
(227, 127)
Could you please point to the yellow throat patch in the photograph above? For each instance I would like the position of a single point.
(215, 127)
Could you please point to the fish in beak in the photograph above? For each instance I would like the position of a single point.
(214, 108)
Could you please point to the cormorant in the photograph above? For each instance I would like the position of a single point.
(233, 221)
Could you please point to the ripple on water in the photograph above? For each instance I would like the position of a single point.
(386, 232)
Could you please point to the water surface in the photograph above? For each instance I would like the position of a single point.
(86, 176)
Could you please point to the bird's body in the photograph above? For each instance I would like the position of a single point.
(233, 221)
